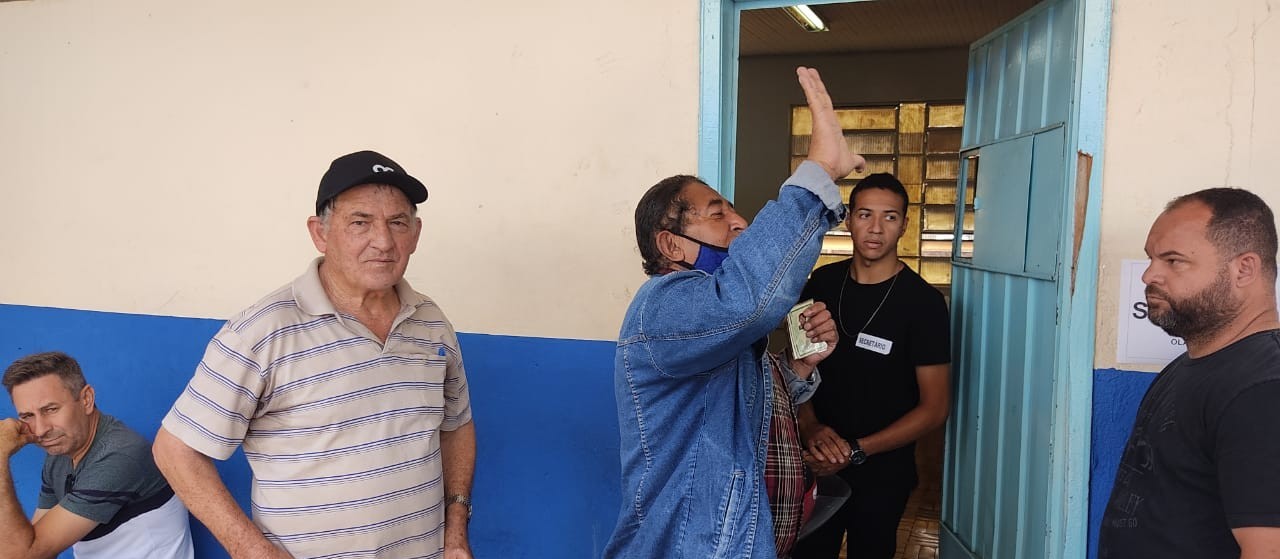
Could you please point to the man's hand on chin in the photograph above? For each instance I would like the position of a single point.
(14, 435)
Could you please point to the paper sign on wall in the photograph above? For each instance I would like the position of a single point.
(1140, 341)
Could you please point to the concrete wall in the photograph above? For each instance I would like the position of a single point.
(167, 148)
(767, 91)
(1191, 104)
(159, 158)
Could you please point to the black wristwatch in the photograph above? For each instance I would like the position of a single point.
(856, 456)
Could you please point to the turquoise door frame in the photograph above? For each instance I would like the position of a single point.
(718, 102)
(1076, 291)
(1078, 295)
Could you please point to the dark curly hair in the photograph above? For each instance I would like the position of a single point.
(662, 208)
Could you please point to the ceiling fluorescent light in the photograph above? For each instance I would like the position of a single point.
(806, 18)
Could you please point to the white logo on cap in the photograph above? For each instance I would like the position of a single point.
(383, 169)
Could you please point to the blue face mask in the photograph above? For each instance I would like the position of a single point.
(710, 257)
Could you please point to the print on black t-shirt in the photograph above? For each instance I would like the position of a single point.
(1202, 458)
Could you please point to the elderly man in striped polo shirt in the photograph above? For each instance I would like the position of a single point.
(345, 388)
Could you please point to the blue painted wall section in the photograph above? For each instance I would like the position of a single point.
(547, 478)
(1116, 395)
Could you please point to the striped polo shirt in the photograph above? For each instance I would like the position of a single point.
(341, 431)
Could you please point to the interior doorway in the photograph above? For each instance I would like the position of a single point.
(1016, 460)
(897, 71)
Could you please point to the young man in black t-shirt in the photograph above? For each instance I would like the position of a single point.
(1200, 475)
(887, 383)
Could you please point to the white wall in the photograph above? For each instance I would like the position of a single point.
(1192, 103)
(161, 156)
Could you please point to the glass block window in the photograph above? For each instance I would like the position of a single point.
(920, 144)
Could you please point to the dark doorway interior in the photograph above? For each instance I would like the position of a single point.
(875, 54)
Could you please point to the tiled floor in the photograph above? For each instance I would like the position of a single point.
(918, 531)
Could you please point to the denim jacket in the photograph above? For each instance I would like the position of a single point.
(694, 392)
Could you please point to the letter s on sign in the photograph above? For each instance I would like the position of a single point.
(1140, 310)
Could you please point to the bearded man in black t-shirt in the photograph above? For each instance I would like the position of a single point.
(886, 384)
(1200, 475)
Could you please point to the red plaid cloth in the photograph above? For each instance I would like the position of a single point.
(785, 476)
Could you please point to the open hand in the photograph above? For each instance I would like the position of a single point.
(826, 145)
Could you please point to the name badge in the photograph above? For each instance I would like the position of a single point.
(872, 343)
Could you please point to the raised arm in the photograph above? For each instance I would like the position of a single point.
(827, 147)
(708, 319)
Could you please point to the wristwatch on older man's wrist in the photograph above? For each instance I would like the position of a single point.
(459, 498)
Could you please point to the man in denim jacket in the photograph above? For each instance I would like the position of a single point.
(694, 390)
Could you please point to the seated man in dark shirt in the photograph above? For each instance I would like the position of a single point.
(101, 491)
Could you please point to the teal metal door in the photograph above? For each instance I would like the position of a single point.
(1014, 484)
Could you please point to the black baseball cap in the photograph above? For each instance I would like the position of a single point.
(366, 167)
